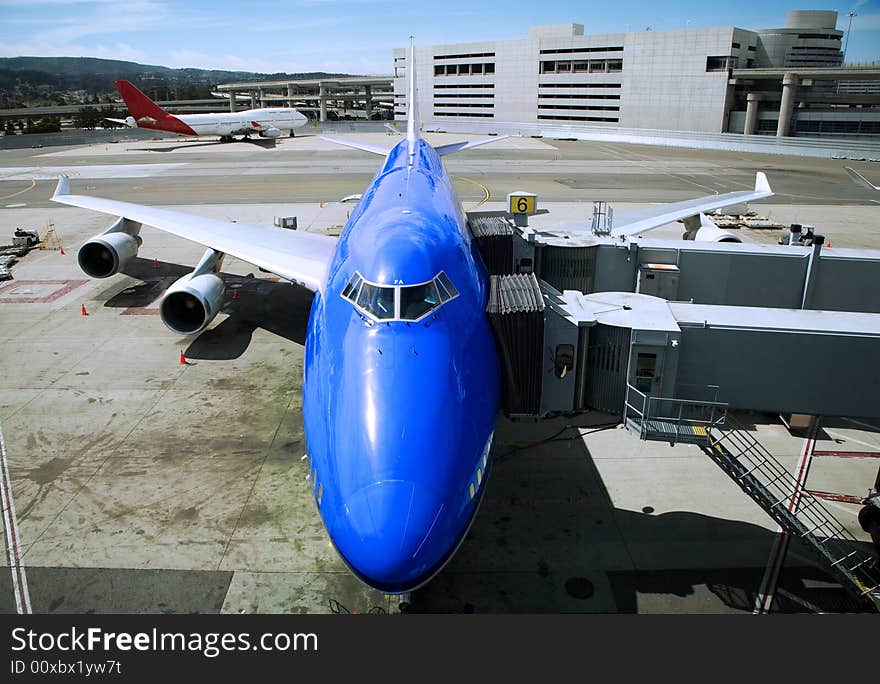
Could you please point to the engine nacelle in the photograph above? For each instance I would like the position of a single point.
(270, 132)
(712, 234)
(104, 255)
(701, 228)
(191, 303)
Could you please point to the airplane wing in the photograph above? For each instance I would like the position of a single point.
(124, 122)
(860, 179)
(299, 257)
(641, 221)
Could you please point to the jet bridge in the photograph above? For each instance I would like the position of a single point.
(578, 318)
(747, 335)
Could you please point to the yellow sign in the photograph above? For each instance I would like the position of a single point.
(521, 203)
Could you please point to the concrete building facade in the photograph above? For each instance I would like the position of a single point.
(686, 80)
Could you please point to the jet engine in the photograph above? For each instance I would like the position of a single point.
(703, 229)
(270, 132)
(193, 301)
(104, 255)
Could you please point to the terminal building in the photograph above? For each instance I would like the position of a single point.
(787, 81)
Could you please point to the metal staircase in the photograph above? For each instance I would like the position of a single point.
(754, 469)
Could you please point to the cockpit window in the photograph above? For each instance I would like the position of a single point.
(351, 290)
(399, 302)
(377, 301)
(417, 300)
(447, 289)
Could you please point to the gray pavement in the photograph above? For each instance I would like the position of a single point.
(145, 486)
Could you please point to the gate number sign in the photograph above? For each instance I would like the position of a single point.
(521, 203)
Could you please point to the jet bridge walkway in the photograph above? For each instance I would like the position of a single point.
(754, 469)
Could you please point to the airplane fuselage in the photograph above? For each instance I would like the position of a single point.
(226, 123)
(399, 414)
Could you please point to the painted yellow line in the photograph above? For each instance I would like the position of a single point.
(479, 185)
(20, 192)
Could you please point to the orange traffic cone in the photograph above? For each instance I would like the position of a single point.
(61, 249)
(183, 361)
(322, 205)
(83, 311)
(235, 294)
(828, 244)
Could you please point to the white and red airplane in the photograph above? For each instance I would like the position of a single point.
(267, 123)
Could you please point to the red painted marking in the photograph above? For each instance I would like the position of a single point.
(830, 496)
(68, 286)
(848, 454)
(777, 555)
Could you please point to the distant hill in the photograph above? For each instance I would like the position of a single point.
(26, 79)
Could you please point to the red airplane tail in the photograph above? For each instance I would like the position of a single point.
(139, 105)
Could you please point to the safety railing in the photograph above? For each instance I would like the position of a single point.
(672, 420)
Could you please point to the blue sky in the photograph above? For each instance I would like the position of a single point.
(357, 36)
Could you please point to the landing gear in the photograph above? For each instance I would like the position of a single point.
(226, 138)
(292, 134)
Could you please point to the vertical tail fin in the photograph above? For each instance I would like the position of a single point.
(412, 104)
(139, 105)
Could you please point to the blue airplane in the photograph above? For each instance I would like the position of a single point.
(401, 375)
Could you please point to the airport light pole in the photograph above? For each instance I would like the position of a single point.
(848, 31)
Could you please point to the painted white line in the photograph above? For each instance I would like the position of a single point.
(847, 438)
(10, 525)
(764, 599)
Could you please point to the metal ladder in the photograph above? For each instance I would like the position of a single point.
(800, 514)
(754, 469)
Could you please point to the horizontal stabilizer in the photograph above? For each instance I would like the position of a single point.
(124, 122)
(366, 147)
(458, 147)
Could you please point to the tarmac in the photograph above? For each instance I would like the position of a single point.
(144, 485)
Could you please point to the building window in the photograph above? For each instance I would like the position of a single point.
(563, 67)
(463, 69)
(615, 65)
(548, 67)
(720, 63)
(735, 45)
(751, 48)
(465, 56)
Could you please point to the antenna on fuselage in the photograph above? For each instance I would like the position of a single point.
(412, 106)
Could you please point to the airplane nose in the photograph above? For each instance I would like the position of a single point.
(387, 541)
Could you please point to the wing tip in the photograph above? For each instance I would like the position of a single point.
(63, 187)
(761, 182)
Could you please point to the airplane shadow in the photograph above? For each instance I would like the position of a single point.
(250, 303)
(549, 539)
(265, 143)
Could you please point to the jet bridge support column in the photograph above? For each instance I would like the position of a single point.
(290, 95)
(368, 106)
(232, 95)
